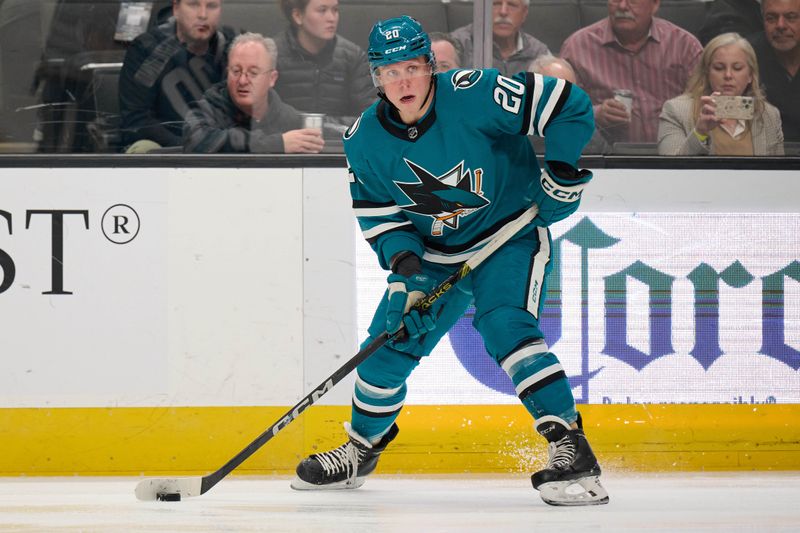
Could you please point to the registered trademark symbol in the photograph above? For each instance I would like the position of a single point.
(120, 224)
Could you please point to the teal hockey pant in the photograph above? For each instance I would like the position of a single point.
(508, 293)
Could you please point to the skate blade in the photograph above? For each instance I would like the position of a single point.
(299, 484)
(583, 491)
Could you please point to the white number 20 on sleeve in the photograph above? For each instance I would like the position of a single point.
(508, 94)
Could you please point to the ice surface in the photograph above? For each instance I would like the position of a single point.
(750, 501)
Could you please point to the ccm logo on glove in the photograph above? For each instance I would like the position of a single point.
(560, 192)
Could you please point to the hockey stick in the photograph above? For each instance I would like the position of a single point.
(175, 488)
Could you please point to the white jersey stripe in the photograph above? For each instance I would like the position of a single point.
(523, 353)
(448, 259)
(377, 408)
(551, 104)
(537, 377)
(538, 87)
(536, 280)
(383, 228)
(376, 211)
(372, 390)
(435, 256)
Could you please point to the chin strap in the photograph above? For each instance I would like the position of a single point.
(430, 91)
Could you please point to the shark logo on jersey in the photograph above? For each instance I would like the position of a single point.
(464, 79)
(444, 198)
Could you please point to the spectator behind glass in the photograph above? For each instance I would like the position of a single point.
(631, 50)
(778, 52)
(688, 123)
(446, 50)
(512, 49)
(556, 67)
(245, 114)
(321, 72)
(168, 68)
(731, 16)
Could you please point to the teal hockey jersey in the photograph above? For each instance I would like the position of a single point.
(442, 187)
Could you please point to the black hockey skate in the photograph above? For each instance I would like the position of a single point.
(345, 467)
(571, 476)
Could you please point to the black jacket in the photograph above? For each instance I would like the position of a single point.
(740, 16)
(782, 90)
(160, 78)
(216, 125)
(336, 81)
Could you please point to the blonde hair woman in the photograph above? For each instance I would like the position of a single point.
(688, 124)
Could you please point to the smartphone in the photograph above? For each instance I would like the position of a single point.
(738, 107)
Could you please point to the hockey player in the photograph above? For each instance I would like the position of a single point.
(437, 166)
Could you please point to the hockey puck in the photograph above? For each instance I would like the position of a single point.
(168, 497)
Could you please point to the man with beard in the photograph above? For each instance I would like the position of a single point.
(646, 59)
(778, 52)
(168, 68)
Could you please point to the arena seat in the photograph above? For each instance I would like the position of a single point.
(104, 88)
(259, 16)
(552, 21)
(358, 16)
(80, 32)
(81, 92)
(458, 14)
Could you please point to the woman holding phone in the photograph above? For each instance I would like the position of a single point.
(723, 111)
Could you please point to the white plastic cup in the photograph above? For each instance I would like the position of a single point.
(625, 97)
(313, 120)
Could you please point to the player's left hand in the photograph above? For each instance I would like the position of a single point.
(559, 193)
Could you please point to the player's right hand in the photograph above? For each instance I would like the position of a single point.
(404, 292)
(303, 141)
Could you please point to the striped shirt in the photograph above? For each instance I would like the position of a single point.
(655, 73)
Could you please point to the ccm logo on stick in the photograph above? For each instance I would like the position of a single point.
(300, 407)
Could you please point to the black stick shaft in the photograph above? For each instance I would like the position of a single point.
(312, 398)
(508, 231)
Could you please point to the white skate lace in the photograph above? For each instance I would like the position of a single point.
(562, 453)
(344, 458)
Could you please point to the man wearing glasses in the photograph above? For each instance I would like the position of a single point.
(168, 68)
(639, 58)
(245, 114)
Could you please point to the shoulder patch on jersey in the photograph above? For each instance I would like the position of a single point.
(353, 128)
(464, 79)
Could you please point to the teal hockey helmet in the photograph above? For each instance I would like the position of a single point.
(397, 39)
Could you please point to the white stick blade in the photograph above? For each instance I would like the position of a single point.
(149, 489)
